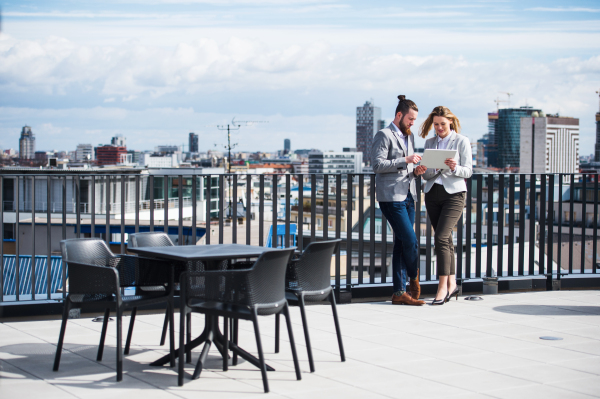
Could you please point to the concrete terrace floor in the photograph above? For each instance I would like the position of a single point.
(464, 349)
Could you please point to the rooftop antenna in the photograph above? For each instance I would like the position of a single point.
(598, 92)
(235, 125)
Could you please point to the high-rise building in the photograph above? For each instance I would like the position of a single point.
(287, 146)
(368, 122)
(549, 144)
(193, 145)
(507, 135)
(84, 152)
(118, 141)
(597, 154)
(27, 144)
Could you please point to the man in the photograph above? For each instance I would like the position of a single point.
(393, 161)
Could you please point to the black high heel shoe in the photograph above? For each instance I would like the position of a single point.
(439, 301)
(454, 293)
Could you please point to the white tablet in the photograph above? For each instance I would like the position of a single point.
(434, 159)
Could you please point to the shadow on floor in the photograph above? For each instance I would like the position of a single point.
(547, 310)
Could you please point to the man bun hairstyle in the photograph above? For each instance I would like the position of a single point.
(404, 105)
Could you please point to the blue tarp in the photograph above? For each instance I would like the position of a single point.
(41, 274)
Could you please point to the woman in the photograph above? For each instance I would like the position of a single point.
(445, 192)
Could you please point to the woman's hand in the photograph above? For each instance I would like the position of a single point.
(419, 170)
(451, 163)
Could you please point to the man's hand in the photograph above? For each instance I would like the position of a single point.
(451, 163)
(419, 170)
(414, 158)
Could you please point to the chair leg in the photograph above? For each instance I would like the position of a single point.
(171, 308)
(234, 361)
(119, 344)
(288, 322)
(277, 333)
(163, 336)
(337, 325)
(226, 344)
(181, 360)
(103, 334)
(261, 355)
(188, 354)
(61, 335)
(306, 335)
(130, 331)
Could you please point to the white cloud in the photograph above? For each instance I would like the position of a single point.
(564, 9)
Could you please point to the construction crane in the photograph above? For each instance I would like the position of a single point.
(498, 101)
(598, 92)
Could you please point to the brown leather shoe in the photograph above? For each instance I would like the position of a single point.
(406, 299)
(414, 287)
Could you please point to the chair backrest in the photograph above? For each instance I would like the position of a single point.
(266, 281)
(313, 269)
(93, 251)
(150, 239)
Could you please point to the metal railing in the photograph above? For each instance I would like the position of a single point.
(534, 247)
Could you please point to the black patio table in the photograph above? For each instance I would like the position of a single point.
(212, 256)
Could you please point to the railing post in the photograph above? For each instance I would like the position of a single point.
(287, 211)
(137, 203)
(49, 239)
(571, 221)
(468, 234)
(33, 263)
(208, 200)
(361, 226)
(500, 257)
(583, 221)
(64, 232)
(350, 201)
(478, 225)
(122, 214)
(372, 229)
(300, 224)
(338, 228)
(17, 241)
(233, 209)
(261, 210)
(274, 201)
(180, 209)
(166, 204)
(490, 226)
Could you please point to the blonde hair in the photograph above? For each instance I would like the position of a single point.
(439, 111)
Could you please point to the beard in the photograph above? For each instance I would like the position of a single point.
(404, 128)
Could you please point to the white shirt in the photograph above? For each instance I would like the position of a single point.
(442, 144)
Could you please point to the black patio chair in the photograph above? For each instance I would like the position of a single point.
(96, 277)
(155, 239)
(308, 280)
(237, 294)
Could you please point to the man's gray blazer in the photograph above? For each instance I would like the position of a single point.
(393, 176)
(453, 182)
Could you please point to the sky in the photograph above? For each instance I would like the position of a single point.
(154, 70)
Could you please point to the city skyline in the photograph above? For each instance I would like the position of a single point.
(80, 72)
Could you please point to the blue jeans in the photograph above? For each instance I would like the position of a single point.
(405, 258)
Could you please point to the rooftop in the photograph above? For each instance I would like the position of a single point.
(464, 349)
